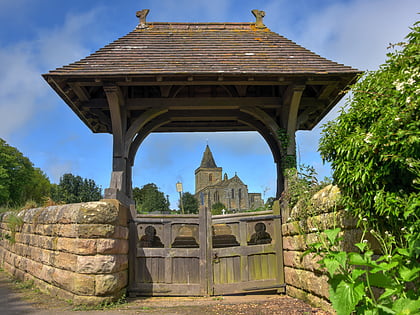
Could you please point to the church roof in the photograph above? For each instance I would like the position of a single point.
(208, 161)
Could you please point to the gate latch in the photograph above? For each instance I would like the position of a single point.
(216, 259)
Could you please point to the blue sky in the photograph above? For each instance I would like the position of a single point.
(39, 35)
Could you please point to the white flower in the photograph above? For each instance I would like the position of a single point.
(397, 118)
(314, 229)
(417, 91)
(364, 219)
(368, 136)
(365, 241)
(399, 85)
(408, 100)
(411, 81)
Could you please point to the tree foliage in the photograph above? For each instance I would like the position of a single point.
(74, 189)
(374, 145)
(217, 208)
(374, 149)
(150, 199)
(20, 181)
(190, 203)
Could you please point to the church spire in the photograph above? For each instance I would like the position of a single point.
(208, 160)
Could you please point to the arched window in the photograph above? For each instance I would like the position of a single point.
(233, 193)
(210, 177)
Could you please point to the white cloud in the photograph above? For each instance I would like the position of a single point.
(357, 32)
(21, 88)
(23, 91)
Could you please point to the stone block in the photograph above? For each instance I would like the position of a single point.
(112, 246)
(67, 214)
(307, 281)
(66, 230)
(79, 246)
(97, 264)
(108, 284)
(95, 230)
(46, 273)
(97, 213)
(74, 282)
(67, 261)
(311, 299)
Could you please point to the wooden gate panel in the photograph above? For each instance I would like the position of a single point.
(184, 255)
(186, 270)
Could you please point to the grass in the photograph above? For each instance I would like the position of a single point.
(103, 306)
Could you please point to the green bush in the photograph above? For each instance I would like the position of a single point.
(374, 150)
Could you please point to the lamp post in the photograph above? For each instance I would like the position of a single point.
(179, 189)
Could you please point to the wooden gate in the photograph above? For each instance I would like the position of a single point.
(187, 255)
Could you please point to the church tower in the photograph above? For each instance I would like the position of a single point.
(207, 174)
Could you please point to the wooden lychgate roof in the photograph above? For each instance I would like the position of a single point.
(203, 73)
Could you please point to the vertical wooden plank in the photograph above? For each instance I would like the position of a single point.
(229, 270)
(264, 266)
(223, 271)
(257, 264)
(243, 239)
(237, 268)
(278, 246)
(132, 254)
(206, 259)
(216, 273)
(167, 239)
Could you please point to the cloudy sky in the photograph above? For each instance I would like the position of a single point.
(39, 35)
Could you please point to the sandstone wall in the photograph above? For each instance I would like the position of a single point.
(76, 252)
(304, 278)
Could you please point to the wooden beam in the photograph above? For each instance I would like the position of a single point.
(80, 91)
(293, 101)
(118, 119)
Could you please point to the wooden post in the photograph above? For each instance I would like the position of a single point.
(206, 247)
(120, 185)
(278, 246)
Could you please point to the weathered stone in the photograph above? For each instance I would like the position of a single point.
(112, 246)
(66, 261)
(101, 263)
(77, 245)
(309, 298)
(307, 281)
(66, 230)
(326, 198)
(108, 284)
(95, 230)
(97, 213)
(74, 282)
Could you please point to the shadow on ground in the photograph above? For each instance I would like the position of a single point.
(27, 300)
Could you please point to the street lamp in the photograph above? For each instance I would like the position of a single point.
(179, 189)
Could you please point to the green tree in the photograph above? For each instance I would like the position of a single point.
(374, 145)
(269, 203)
(150, 199)
(190, 203)
(74, 189)
(217, 208)
(20, 181)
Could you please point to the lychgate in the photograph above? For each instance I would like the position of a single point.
(189, 77)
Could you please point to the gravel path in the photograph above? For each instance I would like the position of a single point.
(17, 300)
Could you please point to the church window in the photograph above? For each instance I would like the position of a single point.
(240, 194)
(210, 177)
(233, 193)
